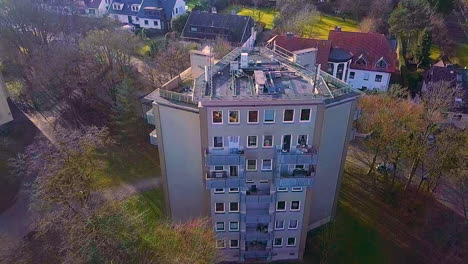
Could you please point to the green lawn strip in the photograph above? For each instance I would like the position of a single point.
(150, 204)
(461, 55)
(268, 14)
(322, 26)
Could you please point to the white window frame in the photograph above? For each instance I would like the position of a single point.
(285, 206)
(249, 181)
(281, 189)
(366, 76)
(263, 165)
(216, 190)
(279, 228)
(238, 226)
(307, 139)
(218, 166)
(212, 117)
(293, 228)
(274, 240)
(238, 207)
(223, 243)
(234, 190)
(353, 76)
(272, 141)
(284, 115)
(274, 116)
(230, 243)
(247, 165)
(381, 78)
(294, 210)
(238, 117)
(296, 189)
(258, 116)
(216, 227)
(222, 142)
(310, 115)
(290, 143)
(287, 242)
(237, 170)
(256, 142)
(220, 212)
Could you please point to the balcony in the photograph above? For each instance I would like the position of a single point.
(153, 138)
(298, 155)
(257, 250)
(255, 219)
(298, 176)
(220, 179)
(256, 232)
(150, 117)
(224, 156)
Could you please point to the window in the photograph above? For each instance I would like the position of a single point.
(292, 224)
(233, 226)
(219, 168)
(291, 242)
(378, 78)
(296, 189)
(251, 165)
(219, 190)
(219, 226)
(295, 205)
(366, 76)
(281, 206)
(269, 116)
(176, 10)
(266, 164)
(299, 166)
(249, 181)
(282, 189)
(279, 224)
(146, 22)
(351, 75)
(218, 142)
(155, 23)
(220, 243)
(193, 29)
(268, 141)
(234, 207)
(302, 140)
(233, 171)
(278, 242)
(361, 61)
(233, 190)
(305, 115)
(251, 141)
(381, 63)
(253, 117)
(91, 11)
(217, 117)
(234, 243)
(219, 208)
(234, 117)
(288, 115)
(264, 181)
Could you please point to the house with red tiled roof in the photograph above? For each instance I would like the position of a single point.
(366, 61)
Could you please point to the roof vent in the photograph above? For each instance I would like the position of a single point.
(338, 28)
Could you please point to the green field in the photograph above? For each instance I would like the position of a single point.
(150, 204)
(460, 58)
(323, 25)
(267, 14)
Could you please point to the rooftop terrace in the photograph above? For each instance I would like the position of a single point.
(258, 74)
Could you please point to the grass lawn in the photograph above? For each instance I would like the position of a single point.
(460, 58)
(151, 203)
(268, 14)
(322, 26)
(192, 3)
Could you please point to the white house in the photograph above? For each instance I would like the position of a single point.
(97, 8)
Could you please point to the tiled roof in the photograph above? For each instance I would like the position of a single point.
(293, 43)
(438, 73)
(237, 29)
(93, 3)
(126, 10)
(166, 5)
(372, 46)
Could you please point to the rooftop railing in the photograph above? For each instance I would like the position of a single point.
(184, 98)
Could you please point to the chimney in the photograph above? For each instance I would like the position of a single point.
(289, 35)
(338, 28)
(213, 10)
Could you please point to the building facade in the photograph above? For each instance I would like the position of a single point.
(256, 143)
(152, 14)
(366, 61)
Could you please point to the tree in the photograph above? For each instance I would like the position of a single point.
(442, 6)
(179, 22)
(298, 19)
(423, 48)
(125, 116)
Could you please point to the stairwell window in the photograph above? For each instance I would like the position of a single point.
(234, 207)
(219, 208)
(281, 206)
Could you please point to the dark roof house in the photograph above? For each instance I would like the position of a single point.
(209, 26)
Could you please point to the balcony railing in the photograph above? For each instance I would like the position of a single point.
(224, 156)
(297, 155)
(150, 117)
(177, 96)
(153, 137)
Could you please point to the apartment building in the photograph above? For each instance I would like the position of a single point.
(257, 143)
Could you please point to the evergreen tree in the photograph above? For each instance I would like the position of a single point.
(125, 116)
(423, 48)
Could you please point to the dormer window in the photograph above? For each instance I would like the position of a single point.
(117, 6)
(381, 63)
(361, 61)
(135, 8)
